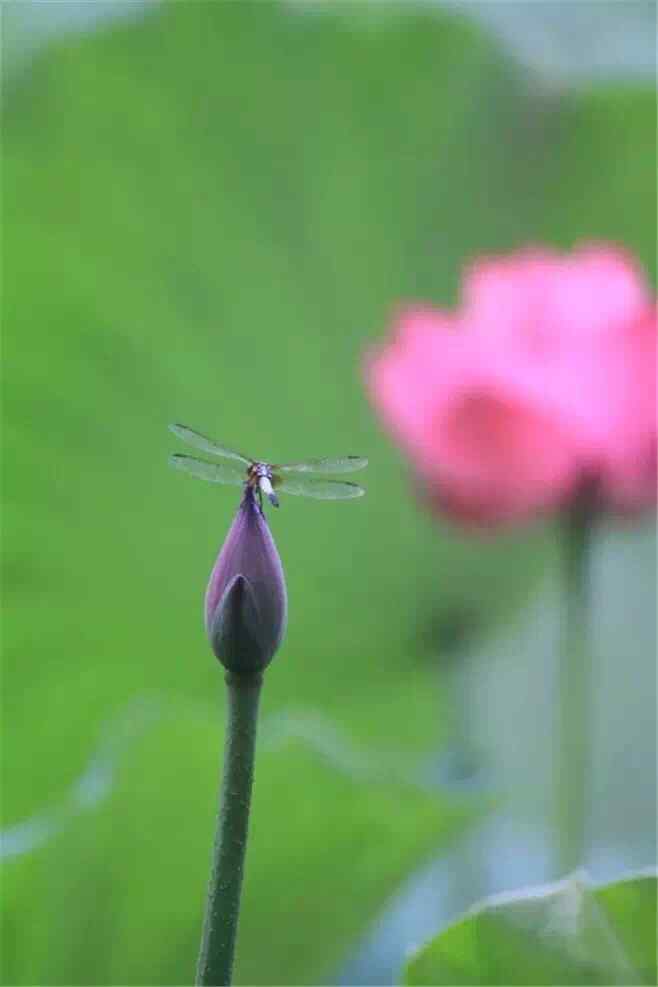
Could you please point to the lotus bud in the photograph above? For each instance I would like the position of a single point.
(246, 601)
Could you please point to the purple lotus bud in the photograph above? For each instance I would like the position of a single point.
(246, 602)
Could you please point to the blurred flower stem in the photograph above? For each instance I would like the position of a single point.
(574, 692)
(222, 911)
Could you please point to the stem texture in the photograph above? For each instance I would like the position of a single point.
(223, 907)
(574, 694)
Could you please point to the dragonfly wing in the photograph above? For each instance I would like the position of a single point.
(213, 472)
(343, 464)
(207, 445)
(319, 489)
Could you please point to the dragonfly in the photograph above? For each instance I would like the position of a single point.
(264, 478)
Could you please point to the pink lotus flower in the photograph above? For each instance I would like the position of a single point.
(540, 386)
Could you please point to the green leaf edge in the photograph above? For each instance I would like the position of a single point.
(502, 898)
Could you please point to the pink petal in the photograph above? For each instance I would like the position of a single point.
(543, 380)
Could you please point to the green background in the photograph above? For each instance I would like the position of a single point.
(209, 215)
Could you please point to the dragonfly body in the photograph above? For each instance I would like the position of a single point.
(266, 478)
(259, 476)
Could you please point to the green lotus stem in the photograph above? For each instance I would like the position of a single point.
(574, 694)
(223, 907)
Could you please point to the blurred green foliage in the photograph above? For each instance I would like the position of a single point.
(566, 933)
(208, 216)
